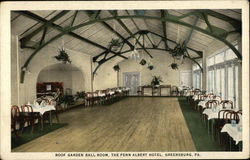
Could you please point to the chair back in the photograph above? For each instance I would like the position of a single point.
(222, 114)
(218, 98)
(202, 97)
(226, 104)
(15, 111)
(232, 115)
(89, 94)
(212, 104)
(210, 95)
(27, 108)
(175, 88)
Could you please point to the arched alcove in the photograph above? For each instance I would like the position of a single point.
(69, 76)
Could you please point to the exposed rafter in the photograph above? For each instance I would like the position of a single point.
(99, 65)
(73, 19)
(137, 27)
(43, 36)
(45, 22)
(234, 22)
(143, 32)
(163, 15)
(207, 22)
(192, 30)
(106, 25)
(53, 25)
(130, 33)
(170, 19)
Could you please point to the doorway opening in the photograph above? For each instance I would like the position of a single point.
(132, 80)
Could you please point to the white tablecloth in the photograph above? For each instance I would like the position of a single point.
(233, 132)
(43, 109)
(214, 114)
(111, 92)
(203, 103)
(101, 94)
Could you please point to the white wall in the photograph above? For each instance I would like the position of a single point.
(161, 60)
(41, 60)
(106, 77)
(71, 79)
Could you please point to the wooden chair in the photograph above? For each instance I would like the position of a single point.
(89, 98)
(226, 103)
(209, 104)
(201, 97)
(228, 116)
(220, 122)
(16, 118)
(174, 91)
(29, 116)
(96, 98)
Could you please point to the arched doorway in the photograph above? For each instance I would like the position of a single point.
(67, 77)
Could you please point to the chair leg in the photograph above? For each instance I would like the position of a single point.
(56, 114)
(15, 130)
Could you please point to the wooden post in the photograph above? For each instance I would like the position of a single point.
(118, 78)
(91, 74)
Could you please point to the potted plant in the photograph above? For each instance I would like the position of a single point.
(156, 81)
(63, 56)
(174, 66)
(143, 62)
(116, 67)
(80, 95)
(65, 101)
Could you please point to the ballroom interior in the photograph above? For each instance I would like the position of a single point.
(126, 80)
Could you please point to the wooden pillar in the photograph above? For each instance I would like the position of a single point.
(91, 74)
(204, 74)
(118, 79)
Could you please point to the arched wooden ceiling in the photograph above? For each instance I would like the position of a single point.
(151, 29)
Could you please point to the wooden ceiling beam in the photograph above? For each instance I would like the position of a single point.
(45, 23)
(169, 19)
(130, 33)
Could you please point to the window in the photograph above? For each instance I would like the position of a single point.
(197, 76)
(222, 75)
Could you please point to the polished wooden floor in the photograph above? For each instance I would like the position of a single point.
(132, 124)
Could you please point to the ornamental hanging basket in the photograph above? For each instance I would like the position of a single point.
(174, 66)
(63, 56)
(143, 62)
(151, 67)
(114, 44)
(116, 67)
(179, 50)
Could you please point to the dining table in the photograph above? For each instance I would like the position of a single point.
(235, 132)
(213, 114)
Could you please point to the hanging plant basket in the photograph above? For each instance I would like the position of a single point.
(179, 51)
(143, 62)
(151, 67)
(116, 67)
(63, 56)
(114, 44)
(174, 66)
